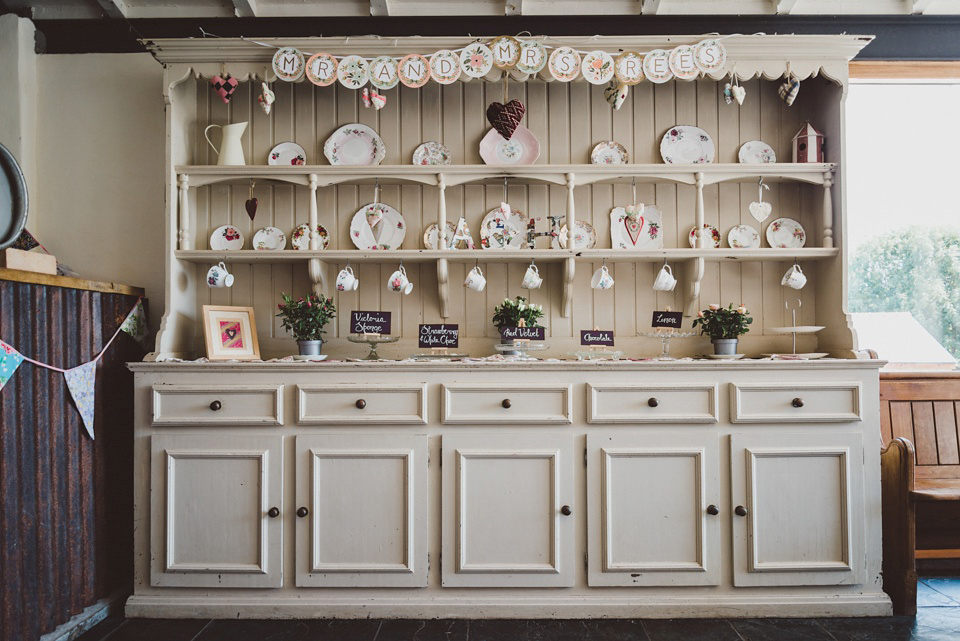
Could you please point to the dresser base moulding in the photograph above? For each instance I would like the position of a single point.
(547, 606)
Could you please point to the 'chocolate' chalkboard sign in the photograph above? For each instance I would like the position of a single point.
(593, 337)
(439, 336)
(523, 333)
(370, 322)
(668, 319)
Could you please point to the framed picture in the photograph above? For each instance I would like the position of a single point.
(230, 333)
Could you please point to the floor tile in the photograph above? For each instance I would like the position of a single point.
(102, 629)
(780, 630)
(158, 630)
(255, 630)
(946, 588)
(690, 630)
(938, 624)
(424, 630)
(930, 597)
(870, 629)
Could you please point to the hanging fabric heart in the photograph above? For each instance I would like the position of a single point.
(224, 87)
(266, 98)
(761, 210)
(789, 89)
(251, 203)
(633, 211)
(634, 227)
(727, 94)
(739, 93)
(616, 94)
(378, 100)
(506, 118)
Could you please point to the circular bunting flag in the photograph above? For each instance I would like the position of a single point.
(506, 52)
(445, 67)
(383, 73)
(656, 66)
(321, 69)
(564, 64)
(353, 72)
(682, 63)
(414, 70)
(629, 68)
(533, 57)
(288, 64)
(476, 59)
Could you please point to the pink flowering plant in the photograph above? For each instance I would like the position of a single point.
(717, 322)
(306, 318)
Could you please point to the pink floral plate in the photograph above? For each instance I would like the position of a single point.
(301, 237)
(522, 149)
(584, 236)
(287, 154)
(354, 144)
(786, 233)
(636, 227)
(226, 237)
(711, 230)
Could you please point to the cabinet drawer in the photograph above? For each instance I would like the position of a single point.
(797, 403)
(676, 403)
(520, 403)
(363, 404)
(217, 405)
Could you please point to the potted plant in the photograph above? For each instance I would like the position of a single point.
(510, 313)
(306, 318)
(723, 326)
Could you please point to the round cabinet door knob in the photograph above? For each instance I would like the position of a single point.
(740, 510)
(273, 512)
(797, 402)
(216, 405)
(653, 402)
(712, 510)
(506, 403)
(566, 511)
(302, 512)
(361, 404)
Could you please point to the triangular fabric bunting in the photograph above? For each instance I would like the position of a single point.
(81, 381)
(135, 324)
(10, 360)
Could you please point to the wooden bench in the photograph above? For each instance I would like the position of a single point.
(921, 476)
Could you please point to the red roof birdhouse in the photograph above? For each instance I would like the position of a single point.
(808, 145)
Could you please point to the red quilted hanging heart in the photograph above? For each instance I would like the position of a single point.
(506, 118)
(633, 228)
(224, 87)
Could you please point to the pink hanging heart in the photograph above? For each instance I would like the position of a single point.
(506, 118)
(224, 87)
(374, 216)
(634, 227)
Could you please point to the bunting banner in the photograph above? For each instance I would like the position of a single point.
(80, 382)
(10, 360)
(135, 324)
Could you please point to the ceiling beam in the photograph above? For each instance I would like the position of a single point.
(114, 8)
(245, 8)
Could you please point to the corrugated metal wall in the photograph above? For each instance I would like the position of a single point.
(66, 520)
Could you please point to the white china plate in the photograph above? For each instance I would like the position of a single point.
(286, 154)
(786, 233)
(685, 144)
(756, 152)
(301, 237)
(743, 237)
(430, 236)
(386, 234)
(431, 153)
(315, 357)
(584, 236)
(522, 149)
(799, 357)
(354, 144)
(799, 329)
(503, 232)
(226, 237)
(645, 231)
(269, 239)
(608, 153)
(714, 233)
(726, 357)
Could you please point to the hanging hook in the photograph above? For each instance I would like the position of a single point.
(376, 192)
(504, 189)
(634, 185)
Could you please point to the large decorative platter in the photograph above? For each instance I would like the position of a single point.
(354, 144)
(685, 144)
(430, 236)
(226, 237)
(640, 231)
(756, 152)
(584, 236)
(301, 237)
(431, 153)
(786, 233)
(712, 232)
(388, 233)
(522, 149)
(499, 231)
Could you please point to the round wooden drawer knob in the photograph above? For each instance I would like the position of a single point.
(273, 512)
(712, 510)
(566, 511)
(506, 403)
(215, 406)
(302, 512)
(797, 402)
(653, 402)
(740, 510)
(361, 404)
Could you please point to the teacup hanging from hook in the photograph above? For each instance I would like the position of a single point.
(761, 210)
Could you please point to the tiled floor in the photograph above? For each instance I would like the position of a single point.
(938, 619)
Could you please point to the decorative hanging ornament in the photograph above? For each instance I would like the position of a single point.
(506, 118)
(224, 86)
(445, 67)
(266, 98)
(761, 210)
(461, 236)
(414, 70)
(533, 57)
(506, 52)
(564, 64)
(353, 72)
(629, 68)
(789, 88)
(597, 67)
(476, 60)
(738, 92)
(616, 94)
(288, 64)
(727, 94)
(365, 96)
(321, 69)
(251, 204)
(377, 100)
(383, 73)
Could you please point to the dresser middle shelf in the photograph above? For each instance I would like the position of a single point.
(504, 256)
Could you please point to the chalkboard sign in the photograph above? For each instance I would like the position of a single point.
(668, 319)
(592, 337)
(439, 336)
(370, 322)
(523, 333)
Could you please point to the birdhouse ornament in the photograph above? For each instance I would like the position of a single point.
(808, 145)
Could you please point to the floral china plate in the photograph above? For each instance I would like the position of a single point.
(743, 237)
(301, 237)
(270, 239)
(354, 144)
(786, 233)
(500, 230)
(521, 149)
(714, 234)
(430, 236)
(756, 152)
(584, 236)
(636, 229)
(608, 153)
(685, 144)
(387, 233)
(226, 237)
(287, 153)
(431, 153)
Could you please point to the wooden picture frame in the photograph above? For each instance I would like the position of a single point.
(230, 333)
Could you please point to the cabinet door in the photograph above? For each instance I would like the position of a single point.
(504, 522)
(365, 523)
(801, 516)
(648, 497)
(211, 500)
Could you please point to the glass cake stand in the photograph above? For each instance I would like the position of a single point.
(372, 341)
(521, 349)
(665, 342)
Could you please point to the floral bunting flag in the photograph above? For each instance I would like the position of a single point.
(135, 324)
(80, 382)
(10, 360)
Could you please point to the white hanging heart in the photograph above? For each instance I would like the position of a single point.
(760, 211)
(374, 215)
(739, 93)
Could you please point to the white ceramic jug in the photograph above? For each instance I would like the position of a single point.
(231, 146)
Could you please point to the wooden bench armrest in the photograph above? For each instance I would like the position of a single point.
(897, 462)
